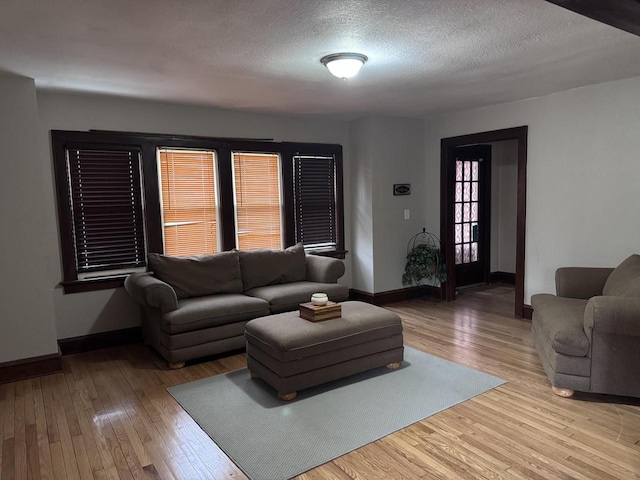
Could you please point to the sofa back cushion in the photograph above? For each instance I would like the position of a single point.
(269, 267)
(199, 275)
(624, 281)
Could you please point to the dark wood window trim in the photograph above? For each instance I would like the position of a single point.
(290, 150)
(92, 284)
(61, 141)
(148, 144)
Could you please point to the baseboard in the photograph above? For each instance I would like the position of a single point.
(361, 296)
(502, 277)
(97, 341)
(30, 367)
(527, 312)
(392, 296)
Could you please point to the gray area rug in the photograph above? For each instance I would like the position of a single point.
(270, 439)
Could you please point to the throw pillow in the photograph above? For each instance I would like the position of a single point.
(624, 281)
(270, 267)
(198, 275)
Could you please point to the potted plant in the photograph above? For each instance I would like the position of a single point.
(424, 262)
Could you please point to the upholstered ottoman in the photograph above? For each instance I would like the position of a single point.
(291, 353)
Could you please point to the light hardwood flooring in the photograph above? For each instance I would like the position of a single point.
(108, 416)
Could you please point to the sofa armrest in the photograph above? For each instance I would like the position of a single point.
(581, 282)
(324, 269)
(613, 315)
(149, 291)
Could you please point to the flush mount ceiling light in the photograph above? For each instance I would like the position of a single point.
(344, 65)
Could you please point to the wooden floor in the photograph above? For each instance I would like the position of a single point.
(109, 415)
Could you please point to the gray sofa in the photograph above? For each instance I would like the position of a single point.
(588, 335)
(193, 307)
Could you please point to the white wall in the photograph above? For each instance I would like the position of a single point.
(583, 177)
(583, 188)
(27, 327)
(84, 313)
(504, 190)
(385, 151)
(399, 149)
(362, 146)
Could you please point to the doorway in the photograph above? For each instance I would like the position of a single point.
(449, 151)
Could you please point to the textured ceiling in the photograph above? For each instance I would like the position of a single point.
(424, 56)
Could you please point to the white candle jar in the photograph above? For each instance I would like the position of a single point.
(319, 299)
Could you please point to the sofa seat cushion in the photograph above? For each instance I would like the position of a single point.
(177, 341)
(199, 275)
(624, 281)
(212, 311)
(288, 296)
(286, 337)
(262, 267)
(562, 321)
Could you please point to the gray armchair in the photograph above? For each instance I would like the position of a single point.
(588, 335)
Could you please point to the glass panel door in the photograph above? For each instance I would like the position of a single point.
(471, 207)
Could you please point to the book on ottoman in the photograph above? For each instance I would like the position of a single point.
(319, 313)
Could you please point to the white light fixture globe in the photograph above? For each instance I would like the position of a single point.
(344, 65)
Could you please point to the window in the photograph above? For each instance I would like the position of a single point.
(103, 224)
(256, 180)
(189, 204)
(314, 184)
(121, 195)
(106, 202)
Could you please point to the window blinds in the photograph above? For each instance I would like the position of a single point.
(189, 201)
(106, 203)
(314, 184)
(257, 200)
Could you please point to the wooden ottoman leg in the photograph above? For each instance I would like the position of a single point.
(562, 392)
(287, 396)
(253, 374)
(393, 366)
(176, 365)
